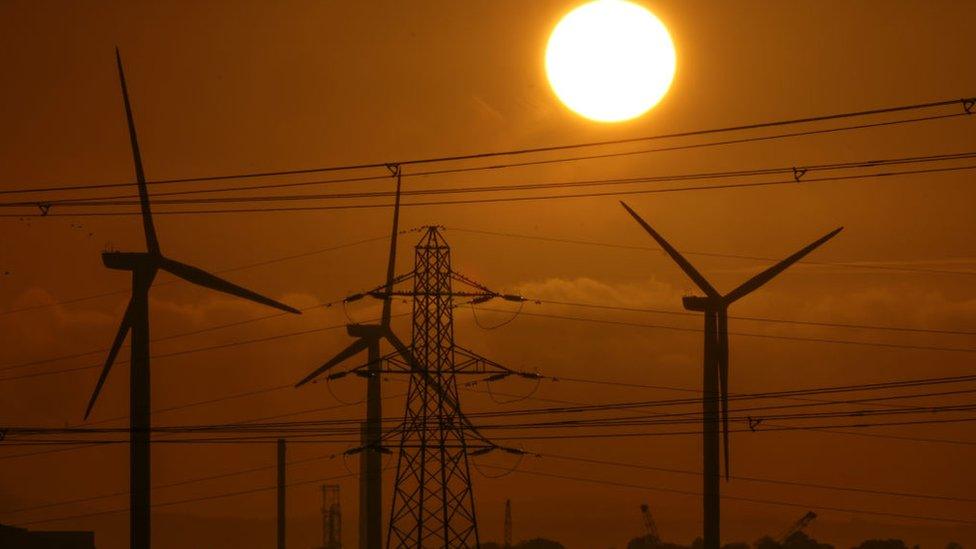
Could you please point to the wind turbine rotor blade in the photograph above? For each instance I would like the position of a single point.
(685, 265)
(355, 348)
(113, 352)
(723, 378)
(755, 282)
(207, 280)
(391, 264)
(152, 244)
(403, 350)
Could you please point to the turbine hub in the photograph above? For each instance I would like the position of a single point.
(365, 330)
(127, 261)
(701, 303)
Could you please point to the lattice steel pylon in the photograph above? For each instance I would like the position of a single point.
(331, 517)
(433, 503)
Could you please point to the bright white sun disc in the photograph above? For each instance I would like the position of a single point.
(610, 60)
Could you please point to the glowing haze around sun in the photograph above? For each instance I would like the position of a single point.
(610, 60)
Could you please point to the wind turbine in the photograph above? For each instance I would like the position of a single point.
(144, 266)
(368, 337)
(715, 366)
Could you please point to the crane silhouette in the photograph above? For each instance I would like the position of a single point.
(144, 266)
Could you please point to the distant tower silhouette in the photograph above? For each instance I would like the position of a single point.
(331, 517)
(650, 527)
(508, 524)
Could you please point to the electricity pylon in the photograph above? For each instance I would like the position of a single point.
(433, 502)
(715, 367)
(331, 517)
(144, 266)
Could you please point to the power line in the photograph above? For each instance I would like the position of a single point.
(926, 440)
(821, 390)
(966, 103)
(496, 166)
(328, 438)
(456, 202)
(815, 429)
(308, 438)
(698, 432)
(268, 432)
(794, 396)
(676, 418)
(796, 174)
(344, 424)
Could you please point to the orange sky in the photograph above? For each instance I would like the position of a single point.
(236, 87)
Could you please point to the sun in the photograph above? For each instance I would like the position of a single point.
(610, 60)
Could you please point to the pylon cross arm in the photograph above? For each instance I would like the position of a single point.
(379, 291)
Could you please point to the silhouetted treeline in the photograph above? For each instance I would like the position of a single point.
(798, 540)
(535, 543)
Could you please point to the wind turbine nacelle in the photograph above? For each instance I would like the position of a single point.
(701, 303)
(126, 261)
(364, 330)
